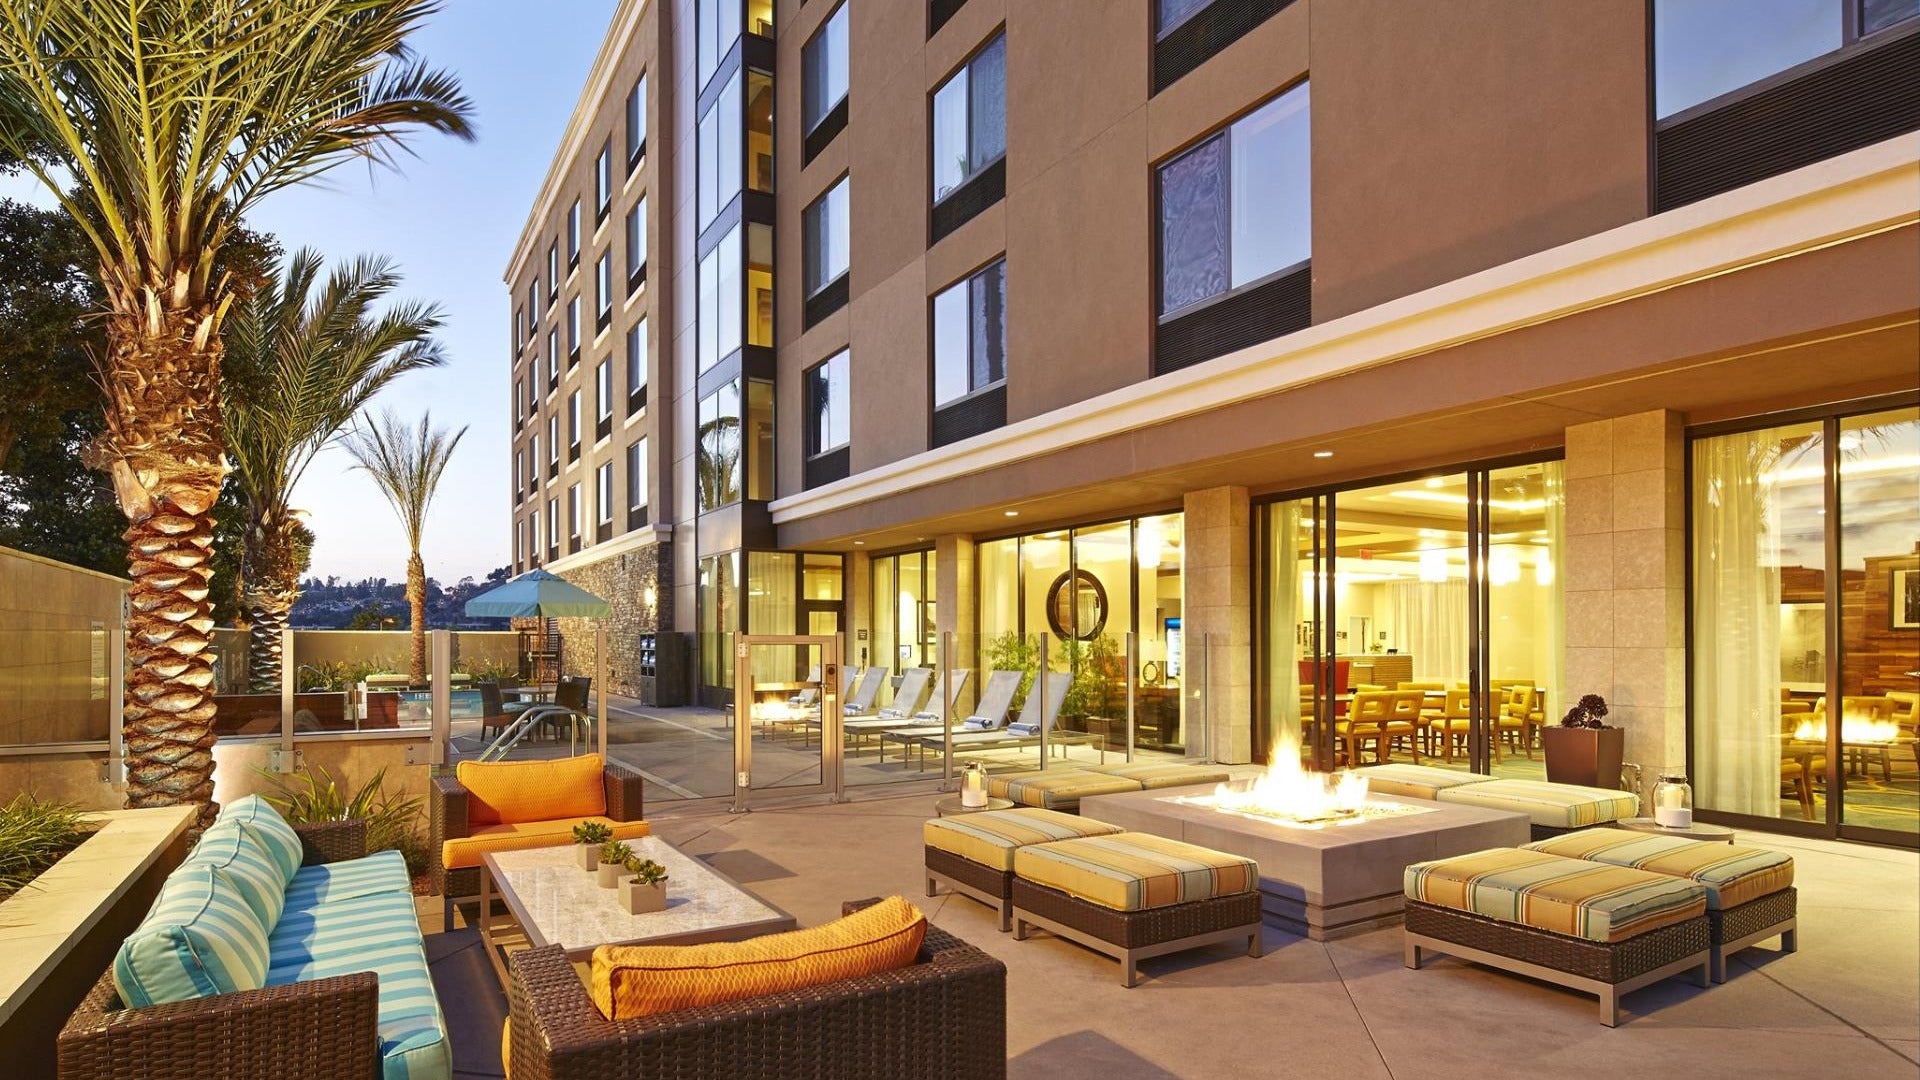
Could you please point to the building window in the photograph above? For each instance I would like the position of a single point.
(519, 475)
(603, 493)
(603, 390)
(637, 244)
(717, 448)
(1235, 209)
(519, 405)
(759, 163)
(721, 129)
(553, 439)
(826, 398)
(637, 122)
(573, 512)
(533, 391)
(970, 119)
(573, 423)
(519, 332)
(1703, 49)
(519, 551)
(553, 271)
(757, 439)
(637, 357)
(573, 235)
(603, 183)
(603, 291)
(970, 335)
(824, 70)
(637, 474)
(533, 462)
(828, 250)
(553, 358)
(1171, 13)
(720, 301)
(573, 331)
(533, 535)
(553, 524)
(533, 305)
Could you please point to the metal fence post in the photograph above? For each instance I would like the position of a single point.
(289, 682)
(1133, 667)
(1040, 689)
(946, 698)
(440, 695)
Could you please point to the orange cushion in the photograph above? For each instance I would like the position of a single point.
(512, 791)
(640, 980)
(506, 1048)
(465, 851)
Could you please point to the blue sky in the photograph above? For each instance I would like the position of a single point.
(449, 218)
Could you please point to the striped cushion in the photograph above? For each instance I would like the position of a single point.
(1134, 871)
(379, 933)
(382, 871)
(463, 851)
(1056, 789)
(1550, 892)
(200, 938)
(992, 836)
(1731, 874)
(273, 830)
(1554, 806)
(240, 852)
(1163, 774)
(1416, 781)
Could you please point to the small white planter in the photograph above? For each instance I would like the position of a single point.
(588, 856)
(610, 874)
(641, 899)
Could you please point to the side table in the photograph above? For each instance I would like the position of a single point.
(950, 805)
(1699, 830)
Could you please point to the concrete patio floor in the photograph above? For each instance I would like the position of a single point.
(1846, 1005)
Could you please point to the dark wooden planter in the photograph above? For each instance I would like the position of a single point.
(1586, 756)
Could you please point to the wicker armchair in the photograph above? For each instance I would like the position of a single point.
(321, 1029)
(943, 1018)
(447, 820)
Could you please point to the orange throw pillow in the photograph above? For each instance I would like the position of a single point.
(631, 981)
(508, 792)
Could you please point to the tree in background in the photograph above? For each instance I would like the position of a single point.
(407, 464)
(171, 120)
(300, 365)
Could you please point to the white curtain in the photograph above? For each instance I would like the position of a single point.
(1553, 628)
(1736, 624)
(1429, 620)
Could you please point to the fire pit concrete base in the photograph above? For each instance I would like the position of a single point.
(1324, 882)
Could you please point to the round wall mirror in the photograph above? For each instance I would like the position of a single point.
(1078, 600)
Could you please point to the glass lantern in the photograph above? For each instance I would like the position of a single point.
(973, 785)
(1673, 802)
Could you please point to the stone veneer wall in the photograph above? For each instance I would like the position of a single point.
(622, 580)
(1217, 600)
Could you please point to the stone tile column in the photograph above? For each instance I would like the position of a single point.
(855, 591)
(954, 598)
(1217, 601)
(1626, 579)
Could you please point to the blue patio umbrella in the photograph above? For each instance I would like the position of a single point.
(538, 594)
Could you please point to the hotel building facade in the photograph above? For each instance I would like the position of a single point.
(1476, 345)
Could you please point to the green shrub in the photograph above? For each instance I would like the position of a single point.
(33, 836)
(1012, 652)
(614, 853)
(392, 817)
(646, 870)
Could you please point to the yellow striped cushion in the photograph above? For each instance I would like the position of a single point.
(1135, 871)
(1056, 789)
(1416, 781)
(992, 836)
(1555, 806)
(1550, 892)
(640, 980)
(1164, 774)
(1731, 874)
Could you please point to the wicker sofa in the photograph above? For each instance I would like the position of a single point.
(320, 1028)
(942, 1018)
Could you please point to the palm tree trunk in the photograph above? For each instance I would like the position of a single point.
(267, 610)
(275, 558)
(417, 614)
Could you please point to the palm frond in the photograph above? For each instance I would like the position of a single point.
(406, 462)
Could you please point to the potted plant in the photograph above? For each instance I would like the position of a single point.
(1582, 749)
(613, 859)
(587, 838)
(645, 889)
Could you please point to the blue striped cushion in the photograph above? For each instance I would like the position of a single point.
(199, 939)
(240, 852)
(379, 932)
(327, 883)
(274, 831)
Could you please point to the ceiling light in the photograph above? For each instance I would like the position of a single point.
(1433, 566)
(1436, 482)
(859, 543)
(1011, 513)
(1323, 453)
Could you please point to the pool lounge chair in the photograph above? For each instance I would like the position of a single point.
(866, 693)
(808, 696)
(1035, 716)
(895, 718)
(914, 685)
(996, 697)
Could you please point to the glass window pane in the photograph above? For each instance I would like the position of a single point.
(1877, 15)
(759, 131)
(760, 285)
(1175, 12)
(987, 98)
(950, 135)
(826, 68)
(731, 121)
(989, 326)
(709, 165)
(709, 336)
(1271, 195)
(637, 237)
(759, 439)
(951, 329)
(708, 31)
(637, 356)
(839, 422)
(1705, 48)
(732, 296)
(1194, 226)
(827, 239)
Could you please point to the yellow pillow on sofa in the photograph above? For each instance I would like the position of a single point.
(631, 981)
(507, 792)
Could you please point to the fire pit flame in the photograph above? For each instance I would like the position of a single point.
(1292, 795)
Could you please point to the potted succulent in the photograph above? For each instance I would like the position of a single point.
(587, 838)
(1582, 749)
(645, 888)
(613, 859)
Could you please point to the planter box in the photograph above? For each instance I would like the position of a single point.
(1589, 757)
(641, 899)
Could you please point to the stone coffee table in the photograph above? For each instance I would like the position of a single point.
(554, 902)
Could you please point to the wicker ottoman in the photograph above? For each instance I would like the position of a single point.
(1134, 896)
(1551, 808)
(1057, 789)
(972, 854)
(1417, 781)
(1163, 774)
(1605, 930)
(1750, 893)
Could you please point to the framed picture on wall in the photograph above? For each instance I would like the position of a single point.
(1903, 606)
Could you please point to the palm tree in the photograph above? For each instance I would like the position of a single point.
(407, 464)
(159, 125)
(299, 367)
